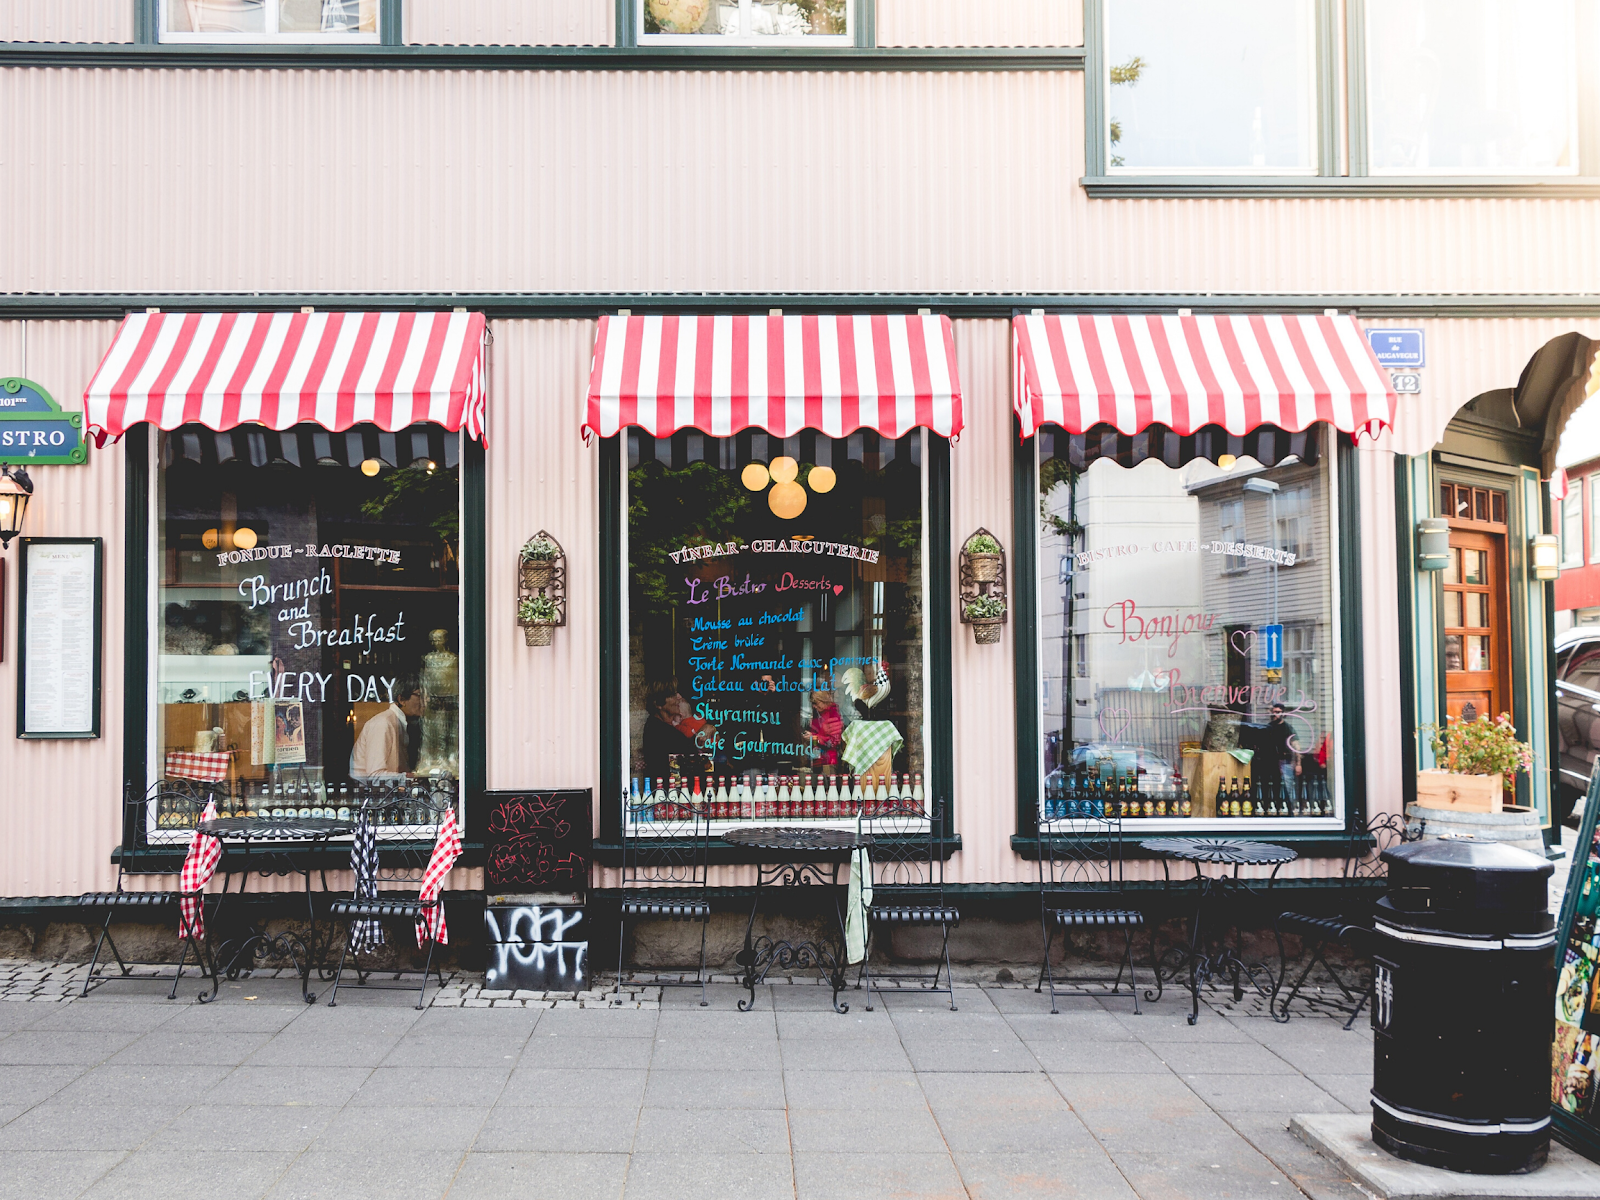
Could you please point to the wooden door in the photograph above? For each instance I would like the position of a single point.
(1476, 644)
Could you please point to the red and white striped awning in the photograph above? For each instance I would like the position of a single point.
(721, 374)
(1239, 372)
(332, 369)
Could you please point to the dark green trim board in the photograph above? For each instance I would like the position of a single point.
(963, 305)
(1094, 89)
(474, 539)
(626, 36)
(610, 664)
(1024, 600)
(391, 22)
(939, 709)
(269, 56)
(1355, 83)
(1352, 673)
(866, 29)
(1408, 589)
(1581, 1135)
(1328, 47)
(146, 21)
(135, 617)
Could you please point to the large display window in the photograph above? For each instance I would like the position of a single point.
(774, 625)
(307, 614)
(1188, 588)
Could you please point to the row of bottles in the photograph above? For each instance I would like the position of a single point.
(390, 803)
(1085, 796)
(774, 797)
(1241, 798)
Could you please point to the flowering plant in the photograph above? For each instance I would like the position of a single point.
(1480, 747)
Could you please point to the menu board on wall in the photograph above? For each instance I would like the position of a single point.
(1575, 1054)
(59, 637)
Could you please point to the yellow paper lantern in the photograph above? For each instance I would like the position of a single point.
(822, 479)
(244, 538)
(787, 500)
(755, 477)
(370, 467)
(208, 539)
(785, 469)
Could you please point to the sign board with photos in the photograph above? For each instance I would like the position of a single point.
(1575, 1054)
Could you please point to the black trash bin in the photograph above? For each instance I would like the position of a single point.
(1464, 1007)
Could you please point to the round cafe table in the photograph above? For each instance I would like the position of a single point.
(1214, 894)
(791, 856)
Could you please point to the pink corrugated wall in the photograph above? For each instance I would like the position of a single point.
(66, 21)
(251, 180)
(510, 22)
(992, 23)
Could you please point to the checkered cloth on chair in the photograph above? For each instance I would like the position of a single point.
(212, 768)
(199, 865)
(368, 932)
(430, 921)
(865, 742)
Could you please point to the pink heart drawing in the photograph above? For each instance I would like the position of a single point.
(1249, 644)
(838, 589)
(1113, 733)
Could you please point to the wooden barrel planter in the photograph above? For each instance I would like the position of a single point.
(1511, 826)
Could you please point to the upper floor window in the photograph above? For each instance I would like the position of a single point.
(264, 20)
(1572, 525)
(747, 22)
(1222, 87)
(1293, 514)
(1472, 87)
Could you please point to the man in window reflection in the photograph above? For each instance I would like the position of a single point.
(1278, 745)
(670, 733)
(383, 747)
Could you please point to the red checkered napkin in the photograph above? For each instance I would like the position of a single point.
(430, 921)
(198, 867)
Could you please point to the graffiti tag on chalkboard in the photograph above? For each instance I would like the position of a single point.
(537, 840)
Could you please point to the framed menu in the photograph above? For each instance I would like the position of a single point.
(59, 637)
(1575, 1056)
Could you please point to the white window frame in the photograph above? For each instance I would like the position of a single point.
(1572, 505)
(1476, 172)
(1306, 547)
(745, 39)
(270, 36)
(1311, 132)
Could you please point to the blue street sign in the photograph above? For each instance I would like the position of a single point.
(1397, 348)
(1272, 647)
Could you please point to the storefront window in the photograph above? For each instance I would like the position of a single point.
(1572, 525)
(749, 21)
(775, 624)
(1210, 87)
(1187, 628)
(307, 612)
(255, 20)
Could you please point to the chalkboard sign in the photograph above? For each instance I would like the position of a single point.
(537, 840)
(1575, 1058)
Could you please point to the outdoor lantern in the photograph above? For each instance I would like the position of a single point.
(1433, 544)
(16, 489)
(1546, 557)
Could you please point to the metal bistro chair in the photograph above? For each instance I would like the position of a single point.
(907, 858)
(388, 883)
(1365, 877)
(178, 805)
(1081, 886)
(665, 875)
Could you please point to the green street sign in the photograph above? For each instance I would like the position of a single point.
(34, 430)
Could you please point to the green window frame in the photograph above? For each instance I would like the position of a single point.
(863, 21)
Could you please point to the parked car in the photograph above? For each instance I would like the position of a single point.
(1577, 716)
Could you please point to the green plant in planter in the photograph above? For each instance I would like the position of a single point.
(538, 610)
(540, 550)
(985, 608)
(1480, 747)
(982, 543)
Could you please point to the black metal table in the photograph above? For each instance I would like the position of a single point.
(1205, 960)
(270, 846)
(799, 857)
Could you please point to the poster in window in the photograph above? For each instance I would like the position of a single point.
(291, 732)
(59, 631)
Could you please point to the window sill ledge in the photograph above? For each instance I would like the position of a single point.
(1263, 187)
(1319, 843)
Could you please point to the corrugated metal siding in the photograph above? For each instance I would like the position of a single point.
(66, 21)
(59, 803)
(991, 23)
(551, 182)
(1381, 650)
(510, 22)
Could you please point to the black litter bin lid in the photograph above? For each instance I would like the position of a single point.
(1465, 875)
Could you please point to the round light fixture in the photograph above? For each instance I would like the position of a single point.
(787, 500)
(785, 469)
(1226, 461)
(370, 467)
(244, 538)
(208, 539)
(755, 476)
(821, 479)
(427, 464)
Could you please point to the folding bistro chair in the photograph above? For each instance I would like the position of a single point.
(1366, 878)
(422, 840)
(907, 858)
(1081, 886)
(177, 805)
(664, 877)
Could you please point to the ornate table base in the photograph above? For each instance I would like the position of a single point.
(1206, 959)
(761, 955)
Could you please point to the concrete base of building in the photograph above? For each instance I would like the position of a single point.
(1347, 1140)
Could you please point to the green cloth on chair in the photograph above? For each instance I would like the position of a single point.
(865, 742)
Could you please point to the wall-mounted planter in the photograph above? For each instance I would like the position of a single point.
(541, 589)
(982, 586)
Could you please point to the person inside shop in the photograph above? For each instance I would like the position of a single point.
(383, 747)
(826, 727)
(1278, 745)
(665, 741)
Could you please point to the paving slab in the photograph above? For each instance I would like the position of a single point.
(1347, 1140)
(540, 1176)
(600, 1130)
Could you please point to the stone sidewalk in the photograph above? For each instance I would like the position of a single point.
(126, 1093)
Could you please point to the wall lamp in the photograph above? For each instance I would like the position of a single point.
(1433, 544)
(16, 489)
(1546, 555)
